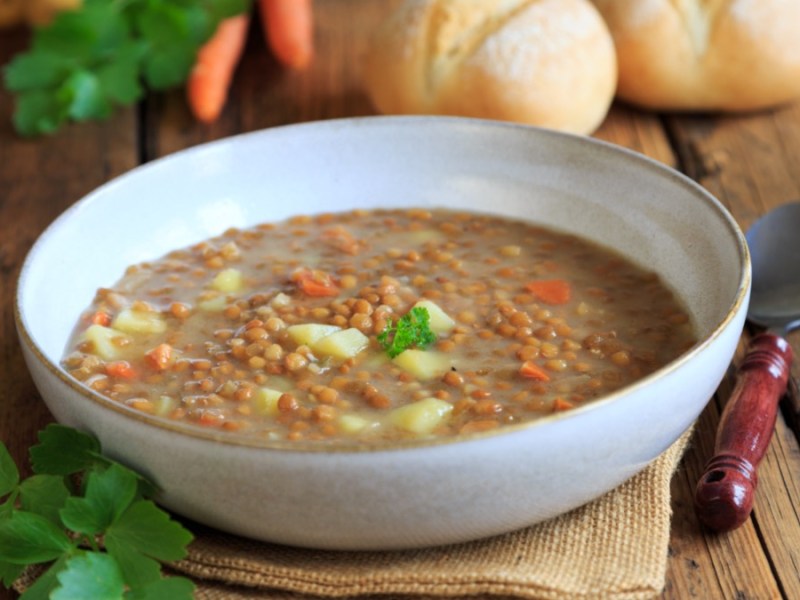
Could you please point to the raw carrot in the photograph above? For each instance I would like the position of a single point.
(160, 357)
(532, 371)
(210, 79)
(315, 283)
(121, 369)
(289, 28)
(550, 291)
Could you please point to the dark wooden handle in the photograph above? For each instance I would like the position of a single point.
(724, 494)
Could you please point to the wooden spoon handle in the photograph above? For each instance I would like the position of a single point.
(724, 494)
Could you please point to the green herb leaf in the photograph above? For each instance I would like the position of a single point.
(108, 494)
(89, 60)
(85, 97)
(411, 330)
(89, 575)
(169, 588)
(9, 474)
(137, 569)
(9, 573)
(147, 529)
(64, 451)
(33, 71)
(44, 495)
(39, 112)
(28, 538)
(41, 522)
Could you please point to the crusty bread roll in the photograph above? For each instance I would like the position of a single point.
(543, 62)
(706, 55)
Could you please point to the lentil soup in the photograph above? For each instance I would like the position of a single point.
(376, 325)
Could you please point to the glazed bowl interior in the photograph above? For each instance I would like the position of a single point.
(351, 496)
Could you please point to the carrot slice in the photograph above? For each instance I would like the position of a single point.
(160, 357)
(210, 79)
(121, 369)
(100, 318)
(289, 28)
(211, 419)
(560, 404)
(315, 283)
(550, 291)
(531, 370)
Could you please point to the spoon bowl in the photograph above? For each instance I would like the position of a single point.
(774, 242)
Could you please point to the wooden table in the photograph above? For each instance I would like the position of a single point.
(751, 163)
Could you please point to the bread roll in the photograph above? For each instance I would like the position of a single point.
(706, 55)
(543, 62)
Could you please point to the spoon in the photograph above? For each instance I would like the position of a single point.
(724, 493)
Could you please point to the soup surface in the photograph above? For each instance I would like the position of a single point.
(376, 326)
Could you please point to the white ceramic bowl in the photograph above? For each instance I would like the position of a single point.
(412, 494)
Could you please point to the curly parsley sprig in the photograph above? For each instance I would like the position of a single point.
(105, 54)
(89, 518)
(412, 329)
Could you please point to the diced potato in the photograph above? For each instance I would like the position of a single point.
(215, 304)
(352, 424)
(309, 333)
(265, 401)
(423, 364)
(228, 281)
(280, 300)
(139, 321)
(163, 405)
(102, 340)
(440, 322)
(342, 344)
(426, 235)
(422, 416)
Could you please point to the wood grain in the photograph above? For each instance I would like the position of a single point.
(743, 160)
(748, 161)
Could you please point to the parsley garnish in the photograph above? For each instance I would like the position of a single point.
(104, 54)
(412, 329)
(90, 518)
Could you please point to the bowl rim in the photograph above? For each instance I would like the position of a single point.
(355, 446)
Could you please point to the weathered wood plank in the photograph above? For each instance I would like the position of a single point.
(264, 94)
(38, 180)
(743, 160)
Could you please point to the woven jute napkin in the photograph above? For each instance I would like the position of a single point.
(614, 547)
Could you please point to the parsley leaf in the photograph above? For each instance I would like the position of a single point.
(44, 495)
(88, 61)
(9, 474)
(46, 518)
(108, 494)
(28, 538)
(64, 451)
(412, 329)
(147, 529)
(89, 575)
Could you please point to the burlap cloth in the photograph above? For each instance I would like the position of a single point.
(614, 547)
